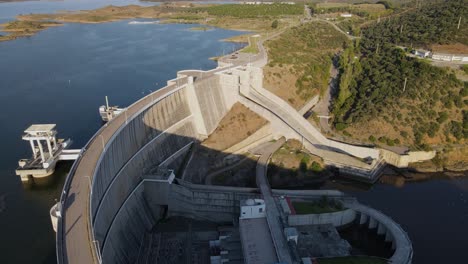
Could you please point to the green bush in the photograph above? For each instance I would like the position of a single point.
(372, 138)
(340, 126)
(316, 167)
(443, 116)
(274, 24)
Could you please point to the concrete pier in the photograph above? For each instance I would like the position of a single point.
(46, 151)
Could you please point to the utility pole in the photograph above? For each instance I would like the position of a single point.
(404, 86)
(459, 22)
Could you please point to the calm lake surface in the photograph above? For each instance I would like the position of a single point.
(61, 76)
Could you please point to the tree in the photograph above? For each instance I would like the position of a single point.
(274, 24)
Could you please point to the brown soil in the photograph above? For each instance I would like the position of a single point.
(282, 82)
(238, 124)
(456, 48)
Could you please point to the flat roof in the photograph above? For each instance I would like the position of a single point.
(256, 240)
(40, 128)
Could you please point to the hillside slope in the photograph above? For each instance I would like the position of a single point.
(390, 98)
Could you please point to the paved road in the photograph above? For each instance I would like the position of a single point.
(272, 212)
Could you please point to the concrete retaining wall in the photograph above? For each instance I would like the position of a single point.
(337, 219)
(402, 161)
(257, 138)
(211, 205)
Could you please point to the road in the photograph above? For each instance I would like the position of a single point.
(272, 212)
(322, 108)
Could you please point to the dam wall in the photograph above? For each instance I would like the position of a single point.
(337, 219)
(214, 205)
(160, 134)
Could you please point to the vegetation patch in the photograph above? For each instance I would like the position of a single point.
(386, 95)
(323, 205)
(300, 61)
(252, 11)
(291, 165)
(359, 9)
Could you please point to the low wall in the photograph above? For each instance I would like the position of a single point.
(337, 219)
(257, 138)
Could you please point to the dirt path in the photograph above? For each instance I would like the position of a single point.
(322, 108)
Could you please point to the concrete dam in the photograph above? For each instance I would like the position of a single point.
(127, 177)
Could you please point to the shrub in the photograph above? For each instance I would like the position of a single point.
(340, 126)
(316, 167)
(372, 138)
(404, 134)
(274, 24)
(443, 116)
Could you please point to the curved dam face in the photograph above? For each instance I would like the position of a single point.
(123, 182)
(158, 136)
(106, 214)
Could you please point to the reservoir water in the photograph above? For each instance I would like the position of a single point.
(61, 76)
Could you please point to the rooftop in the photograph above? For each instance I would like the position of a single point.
(256, 241)
(40, 128)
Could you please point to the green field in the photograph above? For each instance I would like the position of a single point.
(322, 206)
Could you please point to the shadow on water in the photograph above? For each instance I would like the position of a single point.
(52, 182)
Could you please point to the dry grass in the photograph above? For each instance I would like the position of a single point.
(281, 81)
(238, 124)
(300, 61)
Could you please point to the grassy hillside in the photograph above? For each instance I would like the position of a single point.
(300, 61)
(252, 11)
(430, 24)
(373, 102)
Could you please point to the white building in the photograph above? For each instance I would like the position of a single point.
(421, 53)
(252, 208)
(346, 15)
